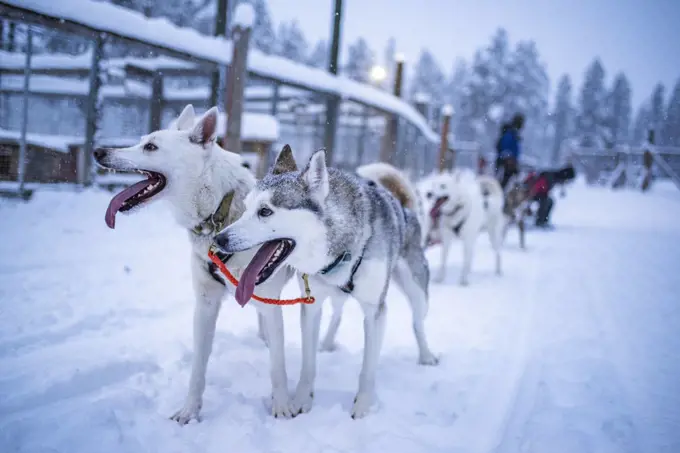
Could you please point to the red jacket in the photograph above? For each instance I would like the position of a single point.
(538, 184)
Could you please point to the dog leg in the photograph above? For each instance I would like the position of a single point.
(374, 330)
(208, 300)
(496, 238)
(416, 293)
(310, 322)
(273, 324)
(444, 257)
(468, 252)
(521, 233)
(261, 334)
(328, 343)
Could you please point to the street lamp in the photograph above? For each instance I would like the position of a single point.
(378, 74)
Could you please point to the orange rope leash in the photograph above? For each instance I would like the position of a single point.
(308, 299)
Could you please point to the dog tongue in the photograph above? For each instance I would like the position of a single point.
(246, 286)
(119, 200)
(436, 209)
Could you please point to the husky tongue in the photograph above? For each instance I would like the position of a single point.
(436, 209)
(119, 200)
(246, 286)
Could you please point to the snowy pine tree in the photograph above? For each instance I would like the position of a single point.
(563, 116)
(389, 61)
(658, 112)
(642, 124)
(485, 92)
(592, 124)
(671, 129)
(360, 59)
(620, 110)
(318, 58)
(263, 37)
(291, 42)
(428, 77)
(455, 93)
(526, 91)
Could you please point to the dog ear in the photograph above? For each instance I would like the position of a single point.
(315, 175)
(185, 120)
(205, 131)
(285, 162)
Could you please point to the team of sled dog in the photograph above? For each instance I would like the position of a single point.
(337, 233)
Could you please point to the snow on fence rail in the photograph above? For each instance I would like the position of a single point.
(189, 43)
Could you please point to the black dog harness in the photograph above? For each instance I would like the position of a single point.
(345, 257)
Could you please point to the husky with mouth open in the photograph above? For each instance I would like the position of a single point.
(349, 235)
(205, 187)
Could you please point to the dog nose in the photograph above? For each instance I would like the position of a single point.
(221, 241)
(99, 153)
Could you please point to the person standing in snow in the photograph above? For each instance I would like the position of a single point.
(508, 150)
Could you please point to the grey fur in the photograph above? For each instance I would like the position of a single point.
(350, 215)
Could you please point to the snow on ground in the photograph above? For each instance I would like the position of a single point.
(575, 349)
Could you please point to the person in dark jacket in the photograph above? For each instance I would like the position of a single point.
(508, 149)
(540, 185)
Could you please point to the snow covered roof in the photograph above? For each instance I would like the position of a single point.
(255, 126)
(44, 84)
(59, 143)
(83, 61)
(160, 32)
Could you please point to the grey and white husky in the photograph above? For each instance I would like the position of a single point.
(205, 187)
(349, 235)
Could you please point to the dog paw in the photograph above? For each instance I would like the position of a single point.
(362, 405)
(302, 401)
(428, 359)
(281, 407)
(328, 347)
(187, 413)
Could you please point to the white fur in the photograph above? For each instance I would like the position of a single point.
(310, 255)
(463, 188)
(199, 173)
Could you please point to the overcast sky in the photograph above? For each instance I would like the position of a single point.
(639, 37)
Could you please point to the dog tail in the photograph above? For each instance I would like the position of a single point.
(392, 179)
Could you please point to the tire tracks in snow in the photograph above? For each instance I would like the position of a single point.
(481, 428)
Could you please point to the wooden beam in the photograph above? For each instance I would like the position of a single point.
(236, 82)
(92, 109)
(333, 101)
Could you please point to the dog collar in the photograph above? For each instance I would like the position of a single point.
(454, 211)
(217, 220)
(344, 257)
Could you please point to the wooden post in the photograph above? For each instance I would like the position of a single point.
(389, 142)
(447, 111)
(236, 82)
(332, 101)
(23, 145)
(220, 30)
(156, 102)
(92, 109)
(363, 131)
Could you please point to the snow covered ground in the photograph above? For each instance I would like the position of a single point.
(575, 349)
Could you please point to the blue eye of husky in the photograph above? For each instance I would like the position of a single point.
(264, 212)
(150, 147)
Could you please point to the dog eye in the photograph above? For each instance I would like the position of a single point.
(264, 212)
(150, 147)
(429, 195)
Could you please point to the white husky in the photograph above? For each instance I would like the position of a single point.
(205, 187)
(461, 204)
